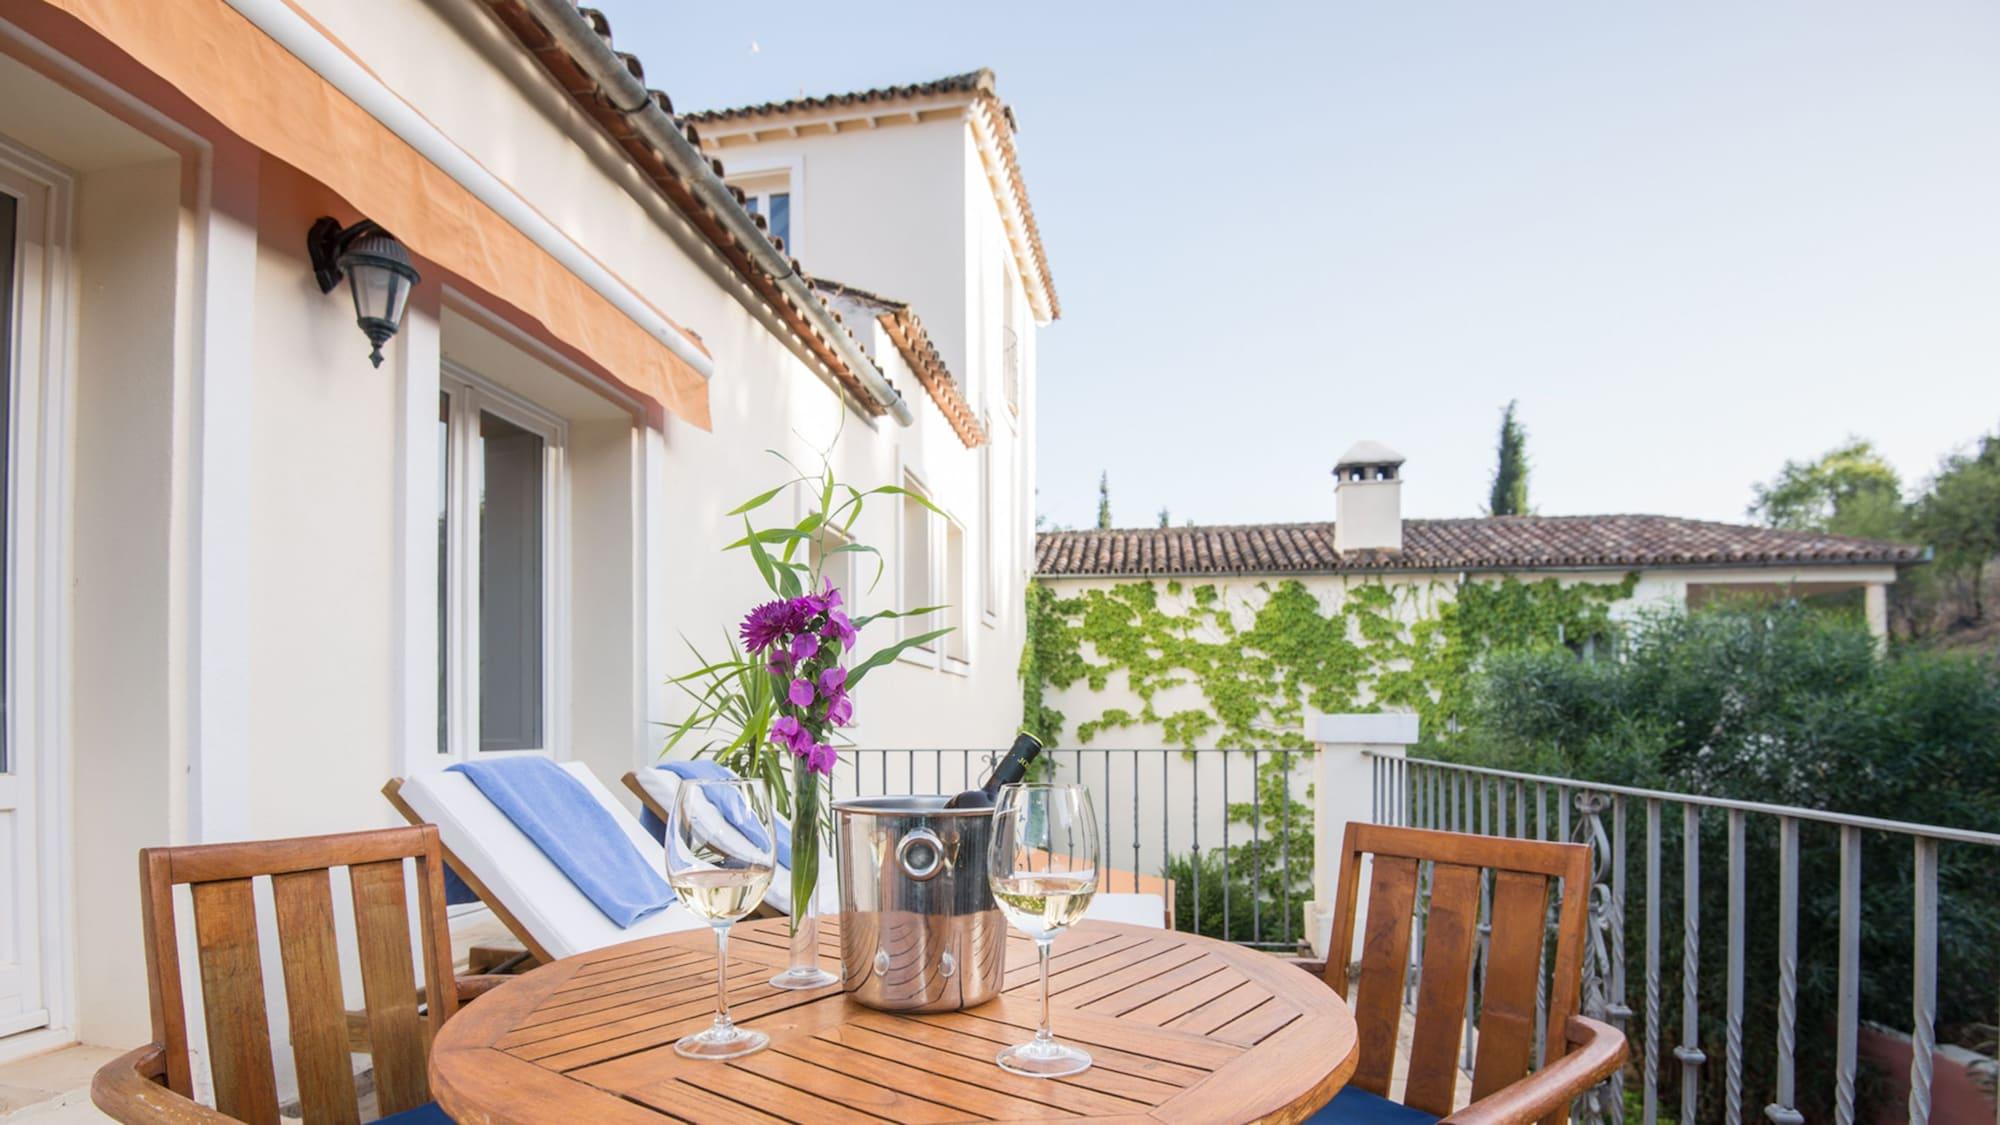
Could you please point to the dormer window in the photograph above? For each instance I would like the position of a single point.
(771, 197)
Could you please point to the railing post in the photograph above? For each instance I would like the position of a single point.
(1689, 1052)
(1604, 1100)
(1849, 1025)
(1923, 988)
(1341, 793)
(1782, 1111)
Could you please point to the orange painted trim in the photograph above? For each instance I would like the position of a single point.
(275, 102)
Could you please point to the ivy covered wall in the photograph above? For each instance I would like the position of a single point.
(1236, 666)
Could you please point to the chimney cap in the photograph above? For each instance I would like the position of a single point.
(1369, 453)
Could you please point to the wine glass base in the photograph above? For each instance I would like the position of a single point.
(1044, 1060)
(804, 977)
(710, 1044)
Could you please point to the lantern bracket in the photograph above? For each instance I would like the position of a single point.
(327, 241)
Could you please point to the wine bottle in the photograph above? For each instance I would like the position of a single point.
(1010, 770)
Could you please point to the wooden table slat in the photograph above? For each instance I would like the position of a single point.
(1181, 1028)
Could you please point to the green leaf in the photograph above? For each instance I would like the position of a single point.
(884, 656)
(889, 614)
(765, 566)
(804, 531)
(899, 490)
(769, 535)
(759, 500)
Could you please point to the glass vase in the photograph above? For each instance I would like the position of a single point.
(803, 969)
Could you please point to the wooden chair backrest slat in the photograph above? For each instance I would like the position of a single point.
(1507, 1011)
(232, 993)
(304, 902)
(388, 985)
(1524, 873)
(1378, 1005)
(1449, 933)
(220, 880)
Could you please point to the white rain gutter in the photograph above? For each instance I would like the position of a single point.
(629, 96)
(291, 31)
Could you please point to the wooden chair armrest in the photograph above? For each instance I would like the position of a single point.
(128, 1089)
(1596, 1049)
(1314, 965)
(471, 988)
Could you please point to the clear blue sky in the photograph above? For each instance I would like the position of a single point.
(1693, 239)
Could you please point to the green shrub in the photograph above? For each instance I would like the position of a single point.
(1784, 705)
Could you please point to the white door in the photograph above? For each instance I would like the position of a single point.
(22, 211)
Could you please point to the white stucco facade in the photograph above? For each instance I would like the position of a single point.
(242, 515)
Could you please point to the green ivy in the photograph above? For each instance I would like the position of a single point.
(1409, 646)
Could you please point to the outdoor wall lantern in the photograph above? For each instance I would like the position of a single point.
(378, 272)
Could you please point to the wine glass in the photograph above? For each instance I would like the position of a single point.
(720, 886)
(1042, 864)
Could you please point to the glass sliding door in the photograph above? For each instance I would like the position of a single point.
(500, 551)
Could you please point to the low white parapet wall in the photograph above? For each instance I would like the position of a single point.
(1343, 792)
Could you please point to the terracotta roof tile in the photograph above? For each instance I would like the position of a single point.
(914, 344)
(679, 191)
(1487, 543)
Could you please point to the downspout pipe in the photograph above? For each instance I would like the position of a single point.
(657, 127)
(292, 32)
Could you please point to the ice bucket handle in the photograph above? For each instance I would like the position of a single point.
(921, 855)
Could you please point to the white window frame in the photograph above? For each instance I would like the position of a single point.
(793, 171)
(923, 656)
(958, 602)
(470, 396)
(40, 380)
(989, 525)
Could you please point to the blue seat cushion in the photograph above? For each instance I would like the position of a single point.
(425, 1114)
(1359, 1107)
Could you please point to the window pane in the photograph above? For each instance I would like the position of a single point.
(781, 216)
(510, 586)
(444, 571)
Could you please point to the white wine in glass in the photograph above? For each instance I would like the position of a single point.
(1042, 864)
(720, 886)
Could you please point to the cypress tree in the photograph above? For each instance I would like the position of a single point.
(1510, 475)
(1104, 501)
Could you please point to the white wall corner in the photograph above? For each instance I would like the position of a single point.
(1345, 792)
(223, 428)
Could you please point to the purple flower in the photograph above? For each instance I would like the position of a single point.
(804, 646)
(790, 734)
(772, 621)
(839, 710)
(780, 663)
(821, 759)
(833, 681)
(801, 693)
(838, 627)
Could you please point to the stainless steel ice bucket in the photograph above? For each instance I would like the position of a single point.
(919, 930)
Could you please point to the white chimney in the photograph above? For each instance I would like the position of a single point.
(1368, 499)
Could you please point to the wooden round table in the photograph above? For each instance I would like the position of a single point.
(1182, 1029)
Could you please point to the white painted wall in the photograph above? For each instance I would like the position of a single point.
(254, 605)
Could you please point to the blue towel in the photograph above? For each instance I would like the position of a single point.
(731, 805)
(577, 834)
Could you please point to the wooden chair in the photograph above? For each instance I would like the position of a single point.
(155, 1084)
(1580, 1052)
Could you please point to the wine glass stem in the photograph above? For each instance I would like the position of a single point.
(722, 976)
(1043, 1034)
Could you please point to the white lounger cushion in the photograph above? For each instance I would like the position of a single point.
(664, 788)
(1131, 909)
(530, 887)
